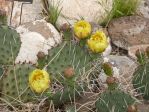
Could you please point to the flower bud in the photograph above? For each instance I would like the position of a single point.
(107, 67)
(65, 27)
(112, 83)
(40, 55)
(111, 80)
(132, 108)
(69, 72)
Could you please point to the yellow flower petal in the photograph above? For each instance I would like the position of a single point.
(39, 80)
(82, 29)
(98, 42)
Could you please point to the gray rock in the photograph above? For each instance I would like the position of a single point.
(123, 68)
(132, 50)
(72, 10)
(37, 36)
(143, 107)
(90, 10)
(30, 12)
(144, 8)
(129, 31)
(124, 64)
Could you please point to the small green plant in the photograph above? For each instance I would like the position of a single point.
(121, 8)
(51, 11)
(141, 75)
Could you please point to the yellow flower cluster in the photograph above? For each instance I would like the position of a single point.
(39, 80)
(97, 42)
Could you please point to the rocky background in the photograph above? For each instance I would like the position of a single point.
(127, 33)
(23, 12)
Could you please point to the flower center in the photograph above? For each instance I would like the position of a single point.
(38, 76)
(82, 25)
(97, 38)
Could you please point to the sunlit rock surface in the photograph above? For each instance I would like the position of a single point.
(72, 10)
(37, 36)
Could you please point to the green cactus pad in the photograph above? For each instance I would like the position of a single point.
(9, 45)
(141, 80)
(114, 101)
(15, 84)
(65, 96)
(66, 55)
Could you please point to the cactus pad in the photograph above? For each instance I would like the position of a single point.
(9, 45)
(67, 95)
(69, 54)
(141, 80)
(114, 101)
(15, 84)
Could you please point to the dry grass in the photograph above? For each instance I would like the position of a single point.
(51, 11)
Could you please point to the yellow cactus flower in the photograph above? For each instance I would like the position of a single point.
(98, 42)
(82, 29)
(39, 80)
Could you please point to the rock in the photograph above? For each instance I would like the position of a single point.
(108, 50)
(125, 65)
(72, 10)
(143, 107)
(144, 8)
(25, 12)
(90, 10)
(126, 32)
(123, 68)
(37, 36)
(6, 7)
(132, 50)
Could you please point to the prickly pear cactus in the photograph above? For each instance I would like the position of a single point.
(15, 84)
(114, 101)
(9, 45)
(67, 63)
(141, 75)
